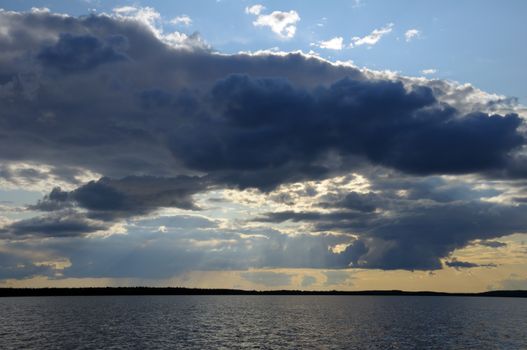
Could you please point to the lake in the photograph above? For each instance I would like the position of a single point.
(264, 322)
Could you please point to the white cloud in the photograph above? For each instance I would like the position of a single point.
(411, 34)
(183, 20)
(152, 19)
(255, 9)
(146, 15)
(373, 38)
(281, 22)
(429, 71)
(332, 44)
(125, 9)
(40, 10)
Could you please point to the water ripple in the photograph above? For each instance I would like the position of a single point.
(263, 322)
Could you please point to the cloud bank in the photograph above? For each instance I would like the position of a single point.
(161, 119)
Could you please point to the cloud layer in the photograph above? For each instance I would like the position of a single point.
(159, 119)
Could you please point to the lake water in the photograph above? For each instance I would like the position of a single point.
(264, 322)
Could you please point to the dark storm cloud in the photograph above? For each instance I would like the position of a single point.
(520, 199)
(248, 121)
(60, 224)
(268, 123)
(457, 264)
(161, 124)
(416, 235)
(109, 199)
(422, 235)
(337, 217)
(492, 244)
(355, 201)
(78, 53)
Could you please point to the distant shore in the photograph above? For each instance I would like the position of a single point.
(29, 292)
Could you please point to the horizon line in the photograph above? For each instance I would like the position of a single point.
(142, 290)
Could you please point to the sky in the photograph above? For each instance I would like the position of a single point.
(264, 144)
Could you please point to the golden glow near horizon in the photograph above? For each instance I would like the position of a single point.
(505, 276)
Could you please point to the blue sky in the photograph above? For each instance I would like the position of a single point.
(477, 42)
(239, 144)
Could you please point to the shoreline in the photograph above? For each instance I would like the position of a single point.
(123, 291)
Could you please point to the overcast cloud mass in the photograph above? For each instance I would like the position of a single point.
(157, 155)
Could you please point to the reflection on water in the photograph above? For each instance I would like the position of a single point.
(267, 322)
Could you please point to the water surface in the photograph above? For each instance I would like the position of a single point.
(264, 322)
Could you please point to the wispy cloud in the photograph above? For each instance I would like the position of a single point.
(322, 22)
(372, 38)
(255, 9)
(182, 20)
(411, 34)
(429, 71)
